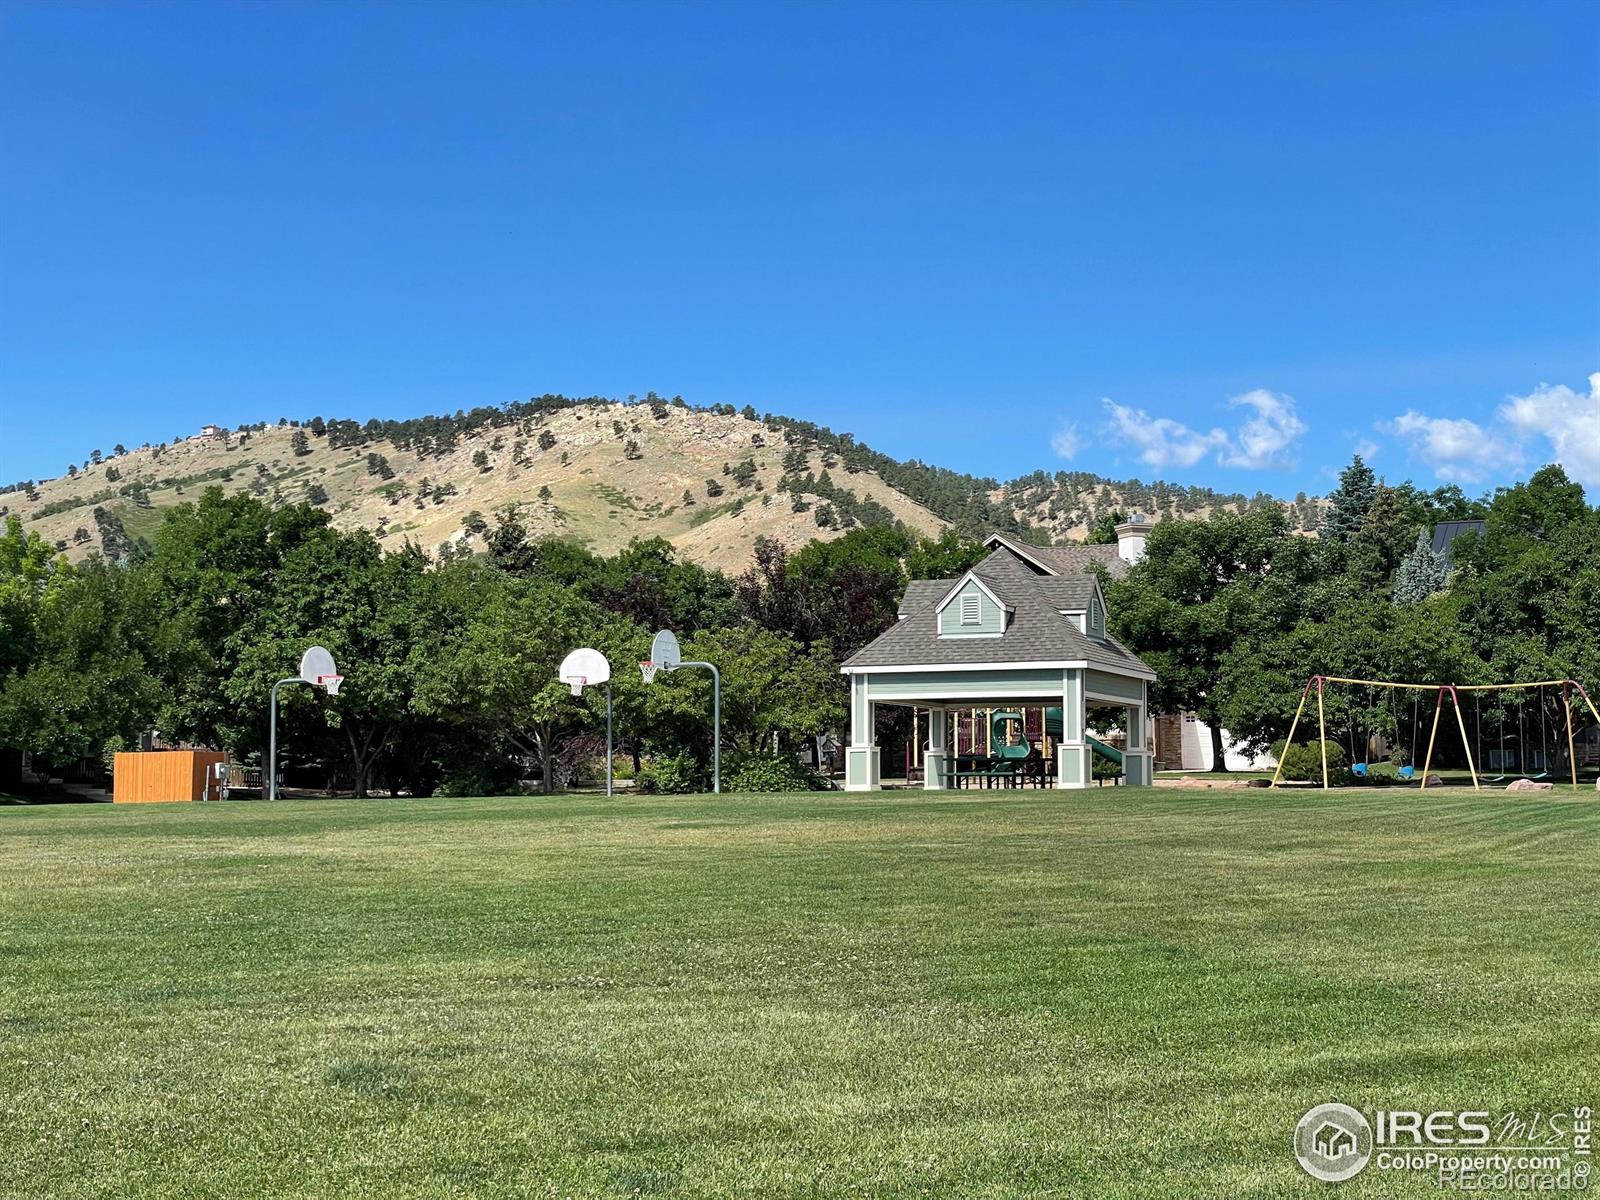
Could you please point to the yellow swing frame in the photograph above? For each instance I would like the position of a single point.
(1567, 686)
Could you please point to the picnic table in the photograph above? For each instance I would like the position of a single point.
(982, 770)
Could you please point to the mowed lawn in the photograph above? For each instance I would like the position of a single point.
(1113, 992)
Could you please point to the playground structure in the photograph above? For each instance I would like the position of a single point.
(1013, 759)
(583, 668)
(665, 655)
(1511, 759)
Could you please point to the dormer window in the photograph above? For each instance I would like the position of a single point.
(971, 609)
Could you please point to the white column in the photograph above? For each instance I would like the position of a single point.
(1138, 760)
(1072, 754)
(934, 758)
(861, 756)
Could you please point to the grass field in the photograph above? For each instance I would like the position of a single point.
(1114, 992)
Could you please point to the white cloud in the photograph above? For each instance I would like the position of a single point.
(1569, 420)
(1456, 447)
(1066, 441)
(1266, 437)
(1161, 441)
(1367, 449)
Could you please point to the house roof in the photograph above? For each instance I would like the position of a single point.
(920, 592)
(982, 584)
(1064, 560)
(1446, 532)
(1068, 593)
(1037, 632)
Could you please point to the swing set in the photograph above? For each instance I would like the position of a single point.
(1514, 761)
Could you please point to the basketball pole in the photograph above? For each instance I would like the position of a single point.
(272, 738)
(608, 737)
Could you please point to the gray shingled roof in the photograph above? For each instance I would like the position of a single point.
(1037, 631)
(920, 592)
(1067, 592)
(1076, 560)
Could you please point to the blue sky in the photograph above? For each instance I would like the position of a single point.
(1218, 243)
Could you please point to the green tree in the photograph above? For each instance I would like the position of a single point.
(213, 569)
(1200, 588)
(299, 443)
(1386, 535)
(72, 674)
(1421, 573)
(1104, 530)
(948, 556)
(338, 589)
(1349, 502)
(775, 693)
(498, 669)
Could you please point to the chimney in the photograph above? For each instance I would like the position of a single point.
(1130, 538)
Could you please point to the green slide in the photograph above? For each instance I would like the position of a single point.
(1052, 727)
(1110, 753)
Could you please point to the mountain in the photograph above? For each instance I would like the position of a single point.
(709, 480)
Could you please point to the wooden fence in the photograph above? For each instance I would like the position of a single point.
(161, 776)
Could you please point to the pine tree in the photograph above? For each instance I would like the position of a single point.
(1421, 573)
(1349, 502)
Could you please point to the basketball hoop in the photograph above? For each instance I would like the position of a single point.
(330, 682)
(582, 668)
(648, 669)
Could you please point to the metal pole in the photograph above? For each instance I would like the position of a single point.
(1455, 700)
(608, 737)
(1433, 733)
(1572, 746)
(272, 740)
(716, 730)
(1288, 741)
(1322, 735)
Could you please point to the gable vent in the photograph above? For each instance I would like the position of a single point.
(971, 612)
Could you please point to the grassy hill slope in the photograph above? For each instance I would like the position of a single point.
(601, 472)
(607, 474)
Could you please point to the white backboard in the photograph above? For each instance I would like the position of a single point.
(664, 650)
(585, 666)
(316, 663)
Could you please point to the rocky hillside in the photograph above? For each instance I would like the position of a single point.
(603, 472)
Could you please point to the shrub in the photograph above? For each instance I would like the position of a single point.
(672, 775)
(769, 773)
(488, 776)
(1302, 762)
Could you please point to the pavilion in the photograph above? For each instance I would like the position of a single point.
(1026, 626)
